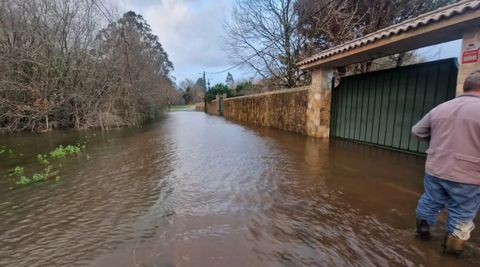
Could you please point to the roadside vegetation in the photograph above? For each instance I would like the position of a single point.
(194, 92)
(74, 64)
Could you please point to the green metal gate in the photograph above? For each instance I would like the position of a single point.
(381, 107)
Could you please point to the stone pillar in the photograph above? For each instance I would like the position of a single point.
(222, 103)
(468, 64)
(318, 110)
(217, 104)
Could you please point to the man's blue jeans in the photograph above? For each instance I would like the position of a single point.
(462, 201)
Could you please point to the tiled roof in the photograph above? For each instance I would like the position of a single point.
(405, 26)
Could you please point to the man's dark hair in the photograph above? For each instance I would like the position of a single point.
(472, 82)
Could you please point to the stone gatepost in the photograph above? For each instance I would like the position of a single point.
(318, 110)
(222, 103)
(217, 101)
(469, 57)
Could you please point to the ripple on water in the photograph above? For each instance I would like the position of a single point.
(198, 189)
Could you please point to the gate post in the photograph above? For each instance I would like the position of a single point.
(221, 103)
(468, 64)
(217, 100)
(319, 98)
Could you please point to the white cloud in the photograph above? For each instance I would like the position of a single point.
(190, 30)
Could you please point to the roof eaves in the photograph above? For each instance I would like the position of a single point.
(405, 26)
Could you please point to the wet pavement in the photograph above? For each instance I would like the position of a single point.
(197, 190)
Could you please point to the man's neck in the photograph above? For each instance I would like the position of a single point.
(473, 92)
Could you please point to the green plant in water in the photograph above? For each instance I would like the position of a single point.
(42, 159)
(6, 150)
(48, 170)
(20, 173)
(61, 152)
(24, 181)
(58, 153)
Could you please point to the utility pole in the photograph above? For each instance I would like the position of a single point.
(204, 82)
(204, 93)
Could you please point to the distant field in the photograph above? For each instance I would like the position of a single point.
(182, 108)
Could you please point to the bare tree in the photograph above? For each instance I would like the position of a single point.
(59, 68)
(262, 34)
(192, 91)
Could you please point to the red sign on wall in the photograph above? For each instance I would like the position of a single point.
(470, 56)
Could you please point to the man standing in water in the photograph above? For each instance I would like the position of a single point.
(452, 170)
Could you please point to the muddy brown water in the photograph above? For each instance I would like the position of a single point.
(197, 190)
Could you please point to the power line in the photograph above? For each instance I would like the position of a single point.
(243, 61)
(109, 13)
(101, 11)
(270, 45)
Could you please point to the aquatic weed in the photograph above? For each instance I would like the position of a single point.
(46, 160)
(6, 150)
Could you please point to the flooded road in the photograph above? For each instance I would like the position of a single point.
(197, 190)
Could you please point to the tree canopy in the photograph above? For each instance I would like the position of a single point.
(229, 80)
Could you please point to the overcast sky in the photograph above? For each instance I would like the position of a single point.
(191, 31)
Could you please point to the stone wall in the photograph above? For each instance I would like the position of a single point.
(213, 107)
(284, 110)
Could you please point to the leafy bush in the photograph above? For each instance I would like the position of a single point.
(218, 89)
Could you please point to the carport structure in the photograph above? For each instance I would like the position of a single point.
(359, 102)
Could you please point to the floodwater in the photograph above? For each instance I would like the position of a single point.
(197, 190)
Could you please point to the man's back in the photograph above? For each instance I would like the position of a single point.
(452, 178)
(454, 151)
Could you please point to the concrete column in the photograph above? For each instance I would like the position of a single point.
(318, 110)
(470, 45)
